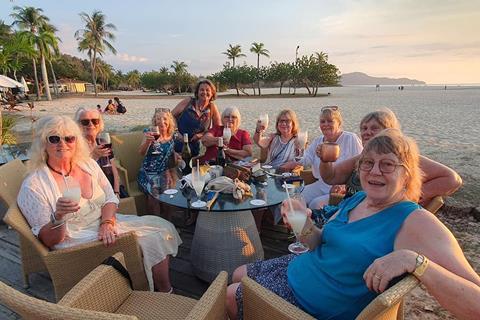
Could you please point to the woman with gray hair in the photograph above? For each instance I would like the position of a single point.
(238, 146)
(67, 200)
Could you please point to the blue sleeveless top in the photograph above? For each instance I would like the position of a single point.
(192, 123)
(154, 164)
(328, 282)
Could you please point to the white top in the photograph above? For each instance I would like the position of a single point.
(350, 146)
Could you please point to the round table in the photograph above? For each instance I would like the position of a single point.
(226, 236)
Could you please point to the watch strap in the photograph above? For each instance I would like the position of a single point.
(421, 266)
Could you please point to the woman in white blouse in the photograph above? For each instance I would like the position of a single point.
(316, 194)
(60, 164)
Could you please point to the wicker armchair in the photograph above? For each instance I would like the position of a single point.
(128, 162)
(260, 303)
(68, 266)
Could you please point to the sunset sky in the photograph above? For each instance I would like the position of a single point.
(434, 41)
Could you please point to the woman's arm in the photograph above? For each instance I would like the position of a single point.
(216, 118)
(448, 276)
(180, 107)
(52, 234)
(261, 141)
(209, 140)
(240, 154)
(146, 142)
(116, 178)
(438, 180)
(337, 173)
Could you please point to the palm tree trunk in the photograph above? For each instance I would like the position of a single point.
(37, 87)
(55, 84)
(94, 74)
(45, 77)
(258, 73)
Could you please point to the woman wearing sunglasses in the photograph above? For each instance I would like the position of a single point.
(374, 237)
(238, 147)
(317, 193)
(91, 123)
(60, 159)
(437, 179)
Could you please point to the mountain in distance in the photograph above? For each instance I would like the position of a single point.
(360, 78)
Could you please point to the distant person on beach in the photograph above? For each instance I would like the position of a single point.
(110, 108)
(280, 145)
(99, 108)
(317, 193)
(195, 116)
(119, 107)
(373, 238)
(437, 179)
(68, 201)
(237, 147)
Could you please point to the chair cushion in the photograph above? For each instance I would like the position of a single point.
(155, 305)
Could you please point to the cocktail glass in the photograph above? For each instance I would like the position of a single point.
(297, 216)
(302, 138)
(227, 134)
(263, 119)
(198, 183)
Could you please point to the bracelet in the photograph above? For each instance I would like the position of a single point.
(421, 265)
(108, 221)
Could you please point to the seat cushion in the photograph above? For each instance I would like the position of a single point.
(155, 305)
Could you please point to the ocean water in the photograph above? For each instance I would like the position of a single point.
(445, 123)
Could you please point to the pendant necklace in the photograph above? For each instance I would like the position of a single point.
(59, 172)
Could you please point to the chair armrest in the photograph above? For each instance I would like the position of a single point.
(307, 176)
(388, 299)
(68, 266)
(262, 304)
(435, 204)
(127, 206)
(212, 303)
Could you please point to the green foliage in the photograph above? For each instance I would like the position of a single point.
(8, 122)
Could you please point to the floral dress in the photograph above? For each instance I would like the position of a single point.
(154, 164)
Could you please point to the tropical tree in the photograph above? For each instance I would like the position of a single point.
(105, 72)
(30, 19)
(280, 72)
(13, 52)
(95, 39)
(133, 79)
(180, 71)
(259, 50)
(234, 52)
(51, 50)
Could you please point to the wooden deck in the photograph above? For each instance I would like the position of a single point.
(274, 239)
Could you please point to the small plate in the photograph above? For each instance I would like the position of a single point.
(170, 191)
(199, 204)
(257, 202)
(267, 167)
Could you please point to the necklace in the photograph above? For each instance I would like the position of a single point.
(59, 172)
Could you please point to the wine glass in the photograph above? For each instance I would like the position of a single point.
(198, 182)
(263, 119)
(227, 134)
(155, 132)
(297, 216)
(302, 138)
(103, 138)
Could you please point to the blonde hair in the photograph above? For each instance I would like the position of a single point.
(232, 111)
(56, 125)
(80, 111)
(406, 150)
(293, 117)
(172, 124)
(385, 117)
(332, 113)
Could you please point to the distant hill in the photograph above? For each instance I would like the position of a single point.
(360, 78)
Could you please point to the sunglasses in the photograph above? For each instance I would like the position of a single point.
(86, 122)
(56, 139)
(166, 110)
(333, 108)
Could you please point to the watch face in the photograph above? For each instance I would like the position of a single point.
(419, 261)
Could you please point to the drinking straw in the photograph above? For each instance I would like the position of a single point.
(288, 196)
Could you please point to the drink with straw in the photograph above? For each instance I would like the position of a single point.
(198, 183)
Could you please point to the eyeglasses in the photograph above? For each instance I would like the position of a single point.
(166, 110)
(86, 122)
(333, 108)
(230, 117)
(385, 166)
(56, 139)
(284, 121)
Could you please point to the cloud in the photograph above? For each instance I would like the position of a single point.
(130, 58)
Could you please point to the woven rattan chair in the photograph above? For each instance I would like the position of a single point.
(128, 162)
(68, 266)
(105, 289)
(260, 303)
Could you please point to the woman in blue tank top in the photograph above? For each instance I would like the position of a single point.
(196, 115)
(375, 236)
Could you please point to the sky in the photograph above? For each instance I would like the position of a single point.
(436, 41)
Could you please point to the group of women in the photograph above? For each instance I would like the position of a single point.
(377, 233)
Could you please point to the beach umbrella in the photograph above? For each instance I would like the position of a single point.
(24, 85)
(7, 82)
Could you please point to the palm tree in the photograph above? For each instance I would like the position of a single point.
(259, 49)
(105, 72)
(95, 39)
(5, 31)
(13, 50)
(179, 69)
(234, 52)
(30, 19)
(52, 51)
(163, 70)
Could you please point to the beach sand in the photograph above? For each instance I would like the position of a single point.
(419, 304)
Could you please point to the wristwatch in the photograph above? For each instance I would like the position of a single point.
(420, 266)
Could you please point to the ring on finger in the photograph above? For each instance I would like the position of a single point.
(377, 276)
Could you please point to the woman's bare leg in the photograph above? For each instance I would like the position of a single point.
(232, 308)
(161, 277)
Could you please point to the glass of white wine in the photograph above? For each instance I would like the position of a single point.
(198, 183)
(227, 134)
(302, 138)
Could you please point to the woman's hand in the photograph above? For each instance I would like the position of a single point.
(382, 270)
(65, 206)
(149, 138)
(339, 189)
(260, 128)
(100, 151)
(284, 212)
(107, 233)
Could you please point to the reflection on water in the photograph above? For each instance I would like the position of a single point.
(445, 123)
